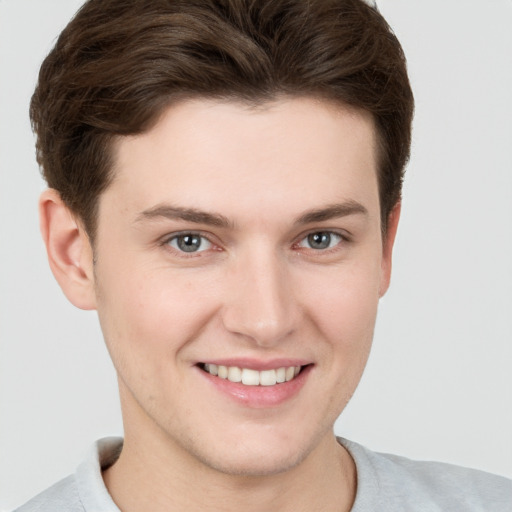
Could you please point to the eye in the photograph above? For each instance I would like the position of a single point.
(321, 240)
(189, 242)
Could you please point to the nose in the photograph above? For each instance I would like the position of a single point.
(260, 304)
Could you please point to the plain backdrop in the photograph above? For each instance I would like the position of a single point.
(439, 381)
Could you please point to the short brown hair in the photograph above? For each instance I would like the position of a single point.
(119, 63)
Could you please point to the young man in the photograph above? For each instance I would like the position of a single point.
(225, 191)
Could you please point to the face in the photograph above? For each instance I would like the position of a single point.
(241, 244)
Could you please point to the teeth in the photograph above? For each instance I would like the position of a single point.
(253, 377)
(234, 374)
(250, 377)
(212, 368)
(268, 378)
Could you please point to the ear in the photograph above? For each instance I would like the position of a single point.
(69, 251)
(387, 248)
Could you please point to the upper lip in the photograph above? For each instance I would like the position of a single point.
(258, 364)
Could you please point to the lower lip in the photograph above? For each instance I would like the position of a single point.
(259, 397)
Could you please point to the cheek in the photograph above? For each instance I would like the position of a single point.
(345, 316)
(148, 317)
(343, 303)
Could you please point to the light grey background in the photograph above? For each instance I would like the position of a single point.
(439, 381)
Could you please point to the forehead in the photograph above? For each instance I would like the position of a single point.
(222, 155)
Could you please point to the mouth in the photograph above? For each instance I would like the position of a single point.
(252, 377)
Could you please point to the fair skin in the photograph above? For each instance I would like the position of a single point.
(248, 238)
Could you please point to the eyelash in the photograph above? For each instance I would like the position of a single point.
(192, 234)
(339, 239)
(175, 238)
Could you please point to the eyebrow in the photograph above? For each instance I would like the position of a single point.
(186, 214)
(216, 219)
(332, 211)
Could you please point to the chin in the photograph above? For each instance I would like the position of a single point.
(250, 456)
(255, 465)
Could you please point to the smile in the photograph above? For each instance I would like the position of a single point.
(250, 377)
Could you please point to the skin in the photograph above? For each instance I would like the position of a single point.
(256, 289)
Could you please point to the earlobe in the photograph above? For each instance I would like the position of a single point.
(69, 251)
(387, 248)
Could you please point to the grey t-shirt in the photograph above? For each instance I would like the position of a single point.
(385, 483)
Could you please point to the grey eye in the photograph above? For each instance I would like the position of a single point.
(189, 242)
(321, 240)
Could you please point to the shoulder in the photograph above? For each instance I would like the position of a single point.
(62, 496)
(405, 484)
(84, 490)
